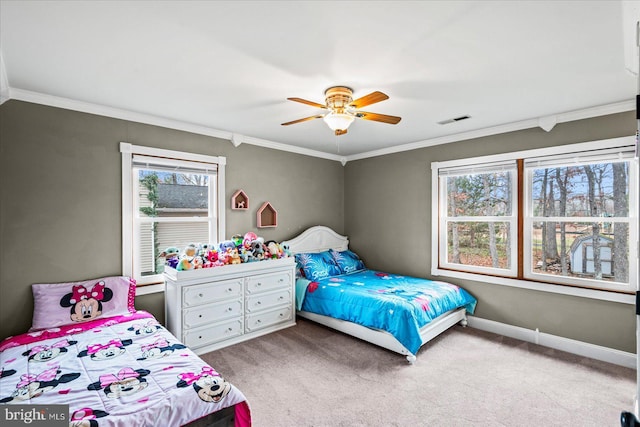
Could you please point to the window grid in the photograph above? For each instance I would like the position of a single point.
(524, 224)
(139, 231)
(450, 221)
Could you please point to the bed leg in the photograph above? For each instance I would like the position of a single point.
(464, 322)
(411, 358)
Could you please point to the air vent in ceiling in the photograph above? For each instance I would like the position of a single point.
(455, 119)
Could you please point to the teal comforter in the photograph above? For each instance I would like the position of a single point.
(400, 305)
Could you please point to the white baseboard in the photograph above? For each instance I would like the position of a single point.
(580, 348)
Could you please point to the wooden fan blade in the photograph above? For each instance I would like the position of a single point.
(392, 120)
(340, 132)
(304, 101)
(372, 98)
(303, 120)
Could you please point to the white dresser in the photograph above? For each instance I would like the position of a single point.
(211, 308)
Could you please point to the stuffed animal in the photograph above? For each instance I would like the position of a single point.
(238, 240)
(171, 256)
(257, 249)
(286, 251)
(191, 250)
(245, 256)
(185, 264)
(189, 259)
(204, 248)
(238, 249)
(248, 238)
(210, 259)
(234, 257)
(273, 249)
(226, 244)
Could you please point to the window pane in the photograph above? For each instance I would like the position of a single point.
(148, 251)
(158, 236)
(163, 194)
(482, 244)
(580, 249)
(581, 191)
(483, 194)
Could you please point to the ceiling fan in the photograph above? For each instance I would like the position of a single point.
(343, 110)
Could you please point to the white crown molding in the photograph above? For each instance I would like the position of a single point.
(86, 107)
(117, 113)
(237, 139)
(447, 139)
(546, 121)
(285, 147)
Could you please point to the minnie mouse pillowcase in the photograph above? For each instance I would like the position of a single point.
(58, 304)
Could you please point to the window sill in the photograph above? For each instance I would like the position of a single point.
(149, 289)
(543, 287)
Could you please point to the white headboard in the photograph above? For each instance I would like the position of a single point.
(317, 239)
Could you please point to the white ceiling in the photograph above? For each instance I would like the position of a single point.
(227, 67)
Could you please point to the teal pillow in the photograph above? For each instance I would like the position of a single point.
(347, 261)
(316, 266)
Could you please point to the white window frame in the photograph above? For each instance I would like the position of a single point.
(512, 219)
(631, 220)
(130, 200)
(622, 295)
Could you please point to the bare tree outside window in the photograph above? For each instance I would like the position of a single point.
(621, 209)
(561, 215)
(477, 206)
(587, 206)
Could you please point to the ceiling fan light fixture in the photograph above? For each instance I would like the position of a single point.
(343, 110)
(338, 121)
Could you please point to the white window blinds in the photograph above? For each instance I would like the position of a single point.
(173, 165)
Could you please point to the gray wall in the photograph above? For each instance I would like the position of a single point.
(60, 209)
(388, 221)
(60, 197)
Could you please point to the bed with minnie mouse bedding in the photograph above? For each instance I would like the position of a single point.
(112, 364)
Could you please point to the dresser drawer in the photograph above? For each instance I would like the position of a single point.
(210, 292)
(263, 301)
(268, 282)
(264, 319)
(199, 337)
(206, 314)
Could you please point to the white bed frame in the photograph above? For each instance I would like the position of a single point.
(321, 238)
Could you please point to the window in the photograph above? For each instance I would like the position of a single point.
(170, 199)
(478, 218)
(574, 223)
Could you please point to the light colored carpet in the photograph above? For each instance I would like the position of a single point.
(309, 375)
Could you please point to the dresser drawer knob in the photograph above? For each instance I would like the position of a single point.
(200, 295)
(230, 290)
(281, 298)
(200, 337)
(230, 309)
(258, 302)
(259, 284)
(258, 321)
(200, 316)
(281, 314)
(230, 330)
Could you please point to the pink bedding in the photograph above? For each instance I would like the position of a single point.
(125, 370)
